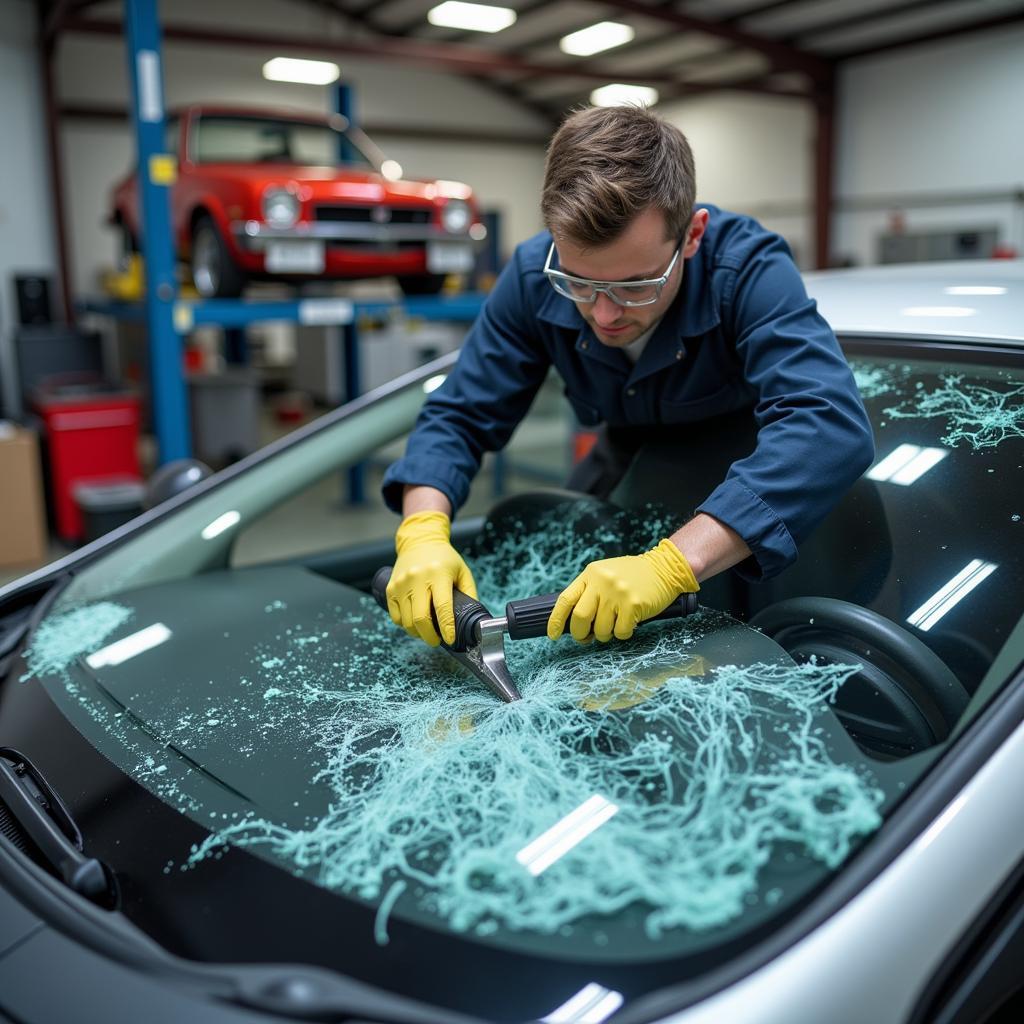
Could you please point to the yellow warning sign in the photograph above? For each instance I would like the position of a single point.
(163, 169)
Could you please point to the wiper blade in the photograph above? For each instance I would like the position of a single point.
(41, 815)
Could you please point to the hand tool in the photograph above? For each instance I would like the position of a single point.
(480, 637)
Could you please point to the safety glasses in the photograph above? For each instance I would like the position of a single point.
(622, 293)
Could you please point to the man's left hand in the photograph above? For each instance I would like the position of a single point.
(611, 596)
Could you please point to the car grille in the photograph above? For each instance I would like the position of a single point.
(365, 214)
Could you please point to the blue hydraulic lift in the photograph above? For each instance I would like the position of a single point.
(168, 317)
(155, 174)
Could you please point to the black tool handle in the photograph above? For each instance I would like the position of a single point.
(468, 612)
(528, 618)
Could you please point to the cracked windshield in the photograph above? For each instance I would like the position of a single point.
(644, 799)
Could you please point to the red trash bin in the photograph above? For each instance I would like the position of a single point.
(91, 435)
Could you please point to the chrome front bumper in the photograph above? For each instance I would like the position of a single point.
(253, 234)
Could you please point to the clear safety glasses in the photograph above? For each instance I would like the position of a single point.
(622, 293)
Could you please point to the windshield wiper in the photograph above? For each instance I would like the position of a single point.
(40, 814)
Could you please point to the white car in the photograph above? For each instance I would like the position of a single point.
(232, 790)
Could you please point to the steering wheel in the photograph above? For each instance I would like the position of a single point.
(904, 698)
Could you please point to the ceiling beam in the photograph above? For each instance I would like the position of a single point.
(359, 17)
(998, 21)
(433, 55)
(782, 55)
(119, 114)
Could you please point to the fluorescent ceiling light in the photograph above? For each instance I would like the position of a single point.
(975, 289)
(144, 640)
(303, 72)
(620, 95)
(566, 833)
(907, 464)
(602, 36)
(220, 524)
(474, 17)
(975, 572)
(591, 1005)
(938, 311)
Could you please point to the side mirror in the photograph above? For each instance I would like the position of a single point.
(173, 478)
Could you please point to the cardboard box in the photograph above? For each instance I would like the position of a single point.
(22, 516)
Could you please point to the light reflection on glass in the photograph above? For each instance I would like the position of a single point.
(433, 383)
(130, 646)
(975, 572)
(591, 1005)
(220, 524)
(907, 463)
(566, 833)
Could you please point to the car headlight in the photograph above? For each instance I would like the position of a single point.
(456, 216)
(280, 207)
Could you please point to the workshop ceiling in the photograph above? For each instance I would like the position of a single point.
(680, 48)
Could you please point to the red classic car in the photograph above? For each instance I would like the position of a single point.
(263, 194)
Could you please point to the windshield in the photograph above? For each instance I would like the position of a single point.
(219, 138)
(647, 805)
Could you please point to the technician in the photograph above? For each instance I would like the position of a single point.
(661, 317)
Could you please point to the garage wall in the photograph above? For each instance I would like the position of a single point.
(92, 70)
(26, 224)
(754, 154)
(936, 127)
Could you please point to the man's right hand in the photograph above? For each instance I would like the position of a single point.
(426, 569)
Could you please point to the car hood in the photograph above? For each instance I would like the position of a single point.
(326, 182)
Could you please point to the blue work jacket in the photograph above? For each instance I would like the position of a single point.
(741, 333)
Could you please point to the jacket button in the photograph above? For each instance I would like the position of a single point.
(631, 392)
(679, 354)
(584, 344)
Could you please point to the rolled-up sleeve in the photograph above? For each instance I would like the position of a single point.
(814, 438)
(495, 379)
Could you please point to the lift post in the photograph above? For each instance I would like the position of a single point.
(155, 173)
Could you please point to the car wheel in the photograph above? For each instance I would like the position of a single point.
(424, 284)
(902, 699)
(214, 272)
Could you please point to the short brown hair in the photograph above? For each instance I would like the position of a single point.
(606, 165)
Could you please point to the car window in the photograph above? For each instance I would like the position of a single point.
(235, 139)
(538, 455)
(646, 805)
(172, 132)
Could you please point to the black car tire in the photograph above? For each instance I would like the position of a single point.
(422, 284)
(215, 274)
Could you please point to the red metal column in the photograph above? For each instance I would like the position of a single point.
(824, 169)
(47, 47)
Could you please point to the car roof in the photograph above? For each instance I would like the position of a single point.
(972, 299)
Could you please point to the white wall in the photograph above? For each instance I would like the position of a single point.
(91, 70)
(941, 118)
(26, 223)
(754, 154)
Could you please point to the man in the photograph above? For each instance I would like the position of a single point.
(660, 317)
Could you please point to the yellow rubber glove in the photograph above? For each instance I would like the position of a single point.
(612, 595)
(426, 569)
